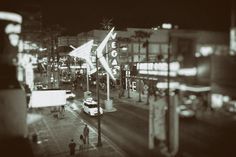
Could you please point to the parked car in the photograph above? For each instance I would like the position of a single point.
(91, 107)
(69, 94)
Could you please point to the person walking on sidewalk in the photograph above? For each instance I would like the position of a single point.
(72, 146)
(81, 144)
(86, 134)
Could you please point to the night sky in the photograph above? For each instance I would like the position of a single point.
(78, 16)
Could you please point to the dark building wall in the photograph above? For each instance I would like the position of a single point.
(223, 75)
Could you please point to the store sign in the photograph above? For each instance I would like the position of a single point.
(174, 66)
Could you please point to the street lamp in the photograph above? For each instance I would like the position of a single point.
(172, 115)
(99, 144)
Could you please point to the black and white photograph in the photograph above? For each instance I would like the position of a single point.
(125, 78)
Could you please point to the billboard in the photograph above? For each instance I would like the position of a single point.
(47, 98)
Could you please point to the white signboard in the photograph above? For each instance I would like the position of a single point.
(46, 98)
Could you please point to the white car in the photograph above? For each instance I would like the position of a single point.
(69, 94)
(91, 107)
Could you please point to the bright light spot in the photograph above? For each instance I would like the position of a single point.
(188, 72)
(124, 48)
(10, 16)
(72, 47)
(173, 85)
(166, 26)
(11, 28)
(14, 39)
(217, 100)
(160, 73)
(184, 87)
(39, 142)
(42, 49)
(174, 66)
(226, 98)
(197, 54)
(206, 50)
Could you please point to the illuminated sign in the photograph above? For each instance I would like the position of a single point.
(113, 55)
(160, 73)
(100, 56)
(206, 50)
(166, 25)
(194, 89)
(158, 68)
(13, 30)
(187, 72)
(83, 52)
(10, 17)
(174, 85)
(44, 98)
(174, 66)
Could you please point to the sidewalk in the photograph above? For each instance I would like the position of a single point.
(133, 100)
(55, 134)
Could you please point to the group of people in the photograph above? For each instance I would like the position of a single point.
(84, 139)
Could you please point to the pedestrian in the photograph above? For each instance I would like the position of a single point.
(72, 146)
(86, 134)
(81, 144)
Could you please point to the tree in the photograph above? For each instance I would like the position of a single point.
(140, 35)
(50, 35)
(121, 40)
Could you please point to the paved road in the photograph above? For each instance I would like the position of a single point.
(128, 128)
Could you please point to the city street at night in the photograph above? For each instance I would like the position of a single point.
(117, 78)
(210, 134)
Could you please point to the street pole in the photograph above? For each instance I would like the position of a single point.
(99, 144)
(87, 77)
(168, 95)
(108, 80)
(148, 82)
(139, 86)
